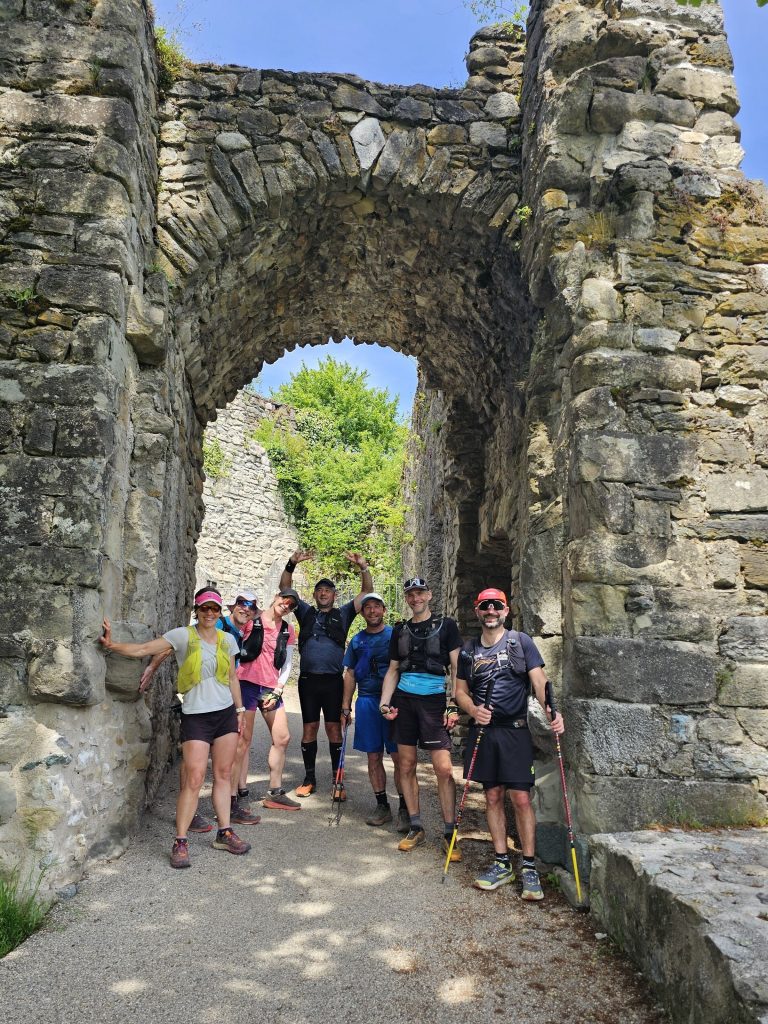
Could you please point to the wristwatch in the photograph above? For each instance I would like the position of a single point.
(239, 711)
(346, 712)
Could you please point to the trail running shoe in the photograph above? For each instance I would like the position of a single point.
(307, 788)
(199, 824)
(227, 840)
(531, 885)
(414, 838)
(456, 855)
(240, 816)
(280, 802)
(496, 875)
(180, 854)
(381, 815)
(339, 793)
(403, 821)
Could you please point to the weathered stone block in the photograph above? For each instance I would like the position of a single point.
(541, 581)
(743, 686)
(628, 458)
(347, 97)
(626, 369)
(611, 109)
(754, 565)
(737, 491)
(745, 638)
(412, 111)
(702, 85)
(600, 300)
(61, 676)
(502, 106)
(618, 739)
(71, 192)
(92, 290)
(122, 674)
(368, 140)
(486, 133)
(646, 671)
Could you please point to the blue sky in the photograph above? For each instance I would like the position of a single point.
(404, 42)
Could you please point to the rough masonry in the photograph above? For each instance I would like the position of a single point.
(569, 248)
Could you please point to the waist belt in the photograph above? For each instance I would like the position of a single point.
(509, 723)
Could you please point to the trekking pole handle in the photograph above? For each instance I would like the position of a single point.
(549, 698)
(489, 694)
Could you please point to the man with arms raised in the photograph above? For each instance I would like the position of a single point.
(322, 637)
(365, 663)
(413, 696)
(505, 756)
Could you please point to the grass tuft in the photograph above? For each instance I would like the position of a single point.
(21, 910)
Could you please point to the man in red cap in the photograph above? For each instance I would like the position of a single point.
(511, 662)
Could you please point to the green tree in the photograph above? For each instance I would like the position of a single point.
(340, 471)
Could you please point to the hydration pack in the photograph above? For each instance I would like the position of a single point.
(334, 627)
(420, 653)
(514, 655)
(252, 646)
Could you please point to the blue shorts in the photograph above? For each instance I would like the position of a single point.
(371, 730)
(253, 696)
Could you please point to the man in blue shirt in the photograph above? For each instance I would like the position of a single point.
(322, 638)
(365, 663)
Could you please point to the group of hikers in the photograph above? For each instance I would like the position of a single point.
(412, 680)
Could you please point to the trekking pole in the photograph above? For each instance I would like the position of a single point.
(337, 804)
(470, 770)
(550, 700)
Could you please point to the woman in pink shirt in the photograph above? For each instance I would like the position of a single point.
(265, 664)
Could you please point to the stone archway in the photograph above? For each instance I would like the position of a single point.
(584, 286)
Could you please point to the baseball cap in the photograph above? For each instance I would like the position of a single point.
(491, 594)
(244, 595)
(325, 582)
(415, 583)
(372, 597)
(291, 593)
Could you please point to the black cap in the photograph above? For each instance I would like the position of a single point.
(325, 582)
(289, 592)
(415, 583)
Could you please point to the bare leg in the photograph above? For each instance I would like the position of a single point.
(223, 757)
(240, 767)
(376, 773)
(497, 818)
(277, 723)
(525, 819)
(446, 787)
(407, 757)
(396, 763)
(333, 732)
(309, 732)
(195, 765)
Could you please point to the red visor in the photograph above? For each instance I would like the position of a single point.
(491, 594)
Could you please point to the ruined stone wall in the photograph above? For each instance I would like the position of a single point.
(246, 536)
(572, 254)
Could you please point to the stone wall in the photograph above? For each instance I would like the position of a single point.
(246, 536)
(568, 247)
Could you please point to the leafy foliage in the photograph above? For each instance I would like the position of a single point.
(170, 57)
(509, 15)
(215, 462)
(339, 473)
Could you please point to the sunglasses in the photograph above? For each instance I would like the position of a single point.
(209, 608)
(417, 583)
(491, 606)
(242, 603)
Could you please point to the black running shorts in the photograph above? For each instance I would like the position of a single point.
(420, 721)
(208, 725)
(320, 692)
(504, 757)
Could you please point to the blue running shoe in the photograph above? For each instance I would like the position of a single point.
(531, 885)
(496, 875)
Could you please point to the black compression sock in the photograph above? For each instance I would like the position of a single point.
(529, 862)
(335, 749)
(381, 798)
(309, 753)
(503, 859)
(401, 798)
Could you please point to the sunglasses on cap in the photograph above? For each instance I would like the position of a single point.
(416, 583)
(491, 606)
(242, 603)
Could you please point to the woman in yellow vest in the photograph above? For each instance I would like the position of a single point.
(212, 714)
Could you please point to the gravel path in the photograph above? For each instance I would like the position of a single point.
(316, 923)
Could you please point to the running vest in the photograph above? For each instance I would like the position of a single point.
(334, 627)
(515, 655)
(191, 671)
(420, 653)
(229, 627)
(251, 647)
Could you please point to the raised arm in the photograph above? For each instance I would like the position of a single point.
(366, 580)
(286, 577)
(157, 646)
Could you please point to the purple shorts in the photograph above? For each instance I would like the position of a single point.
(254, 694)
